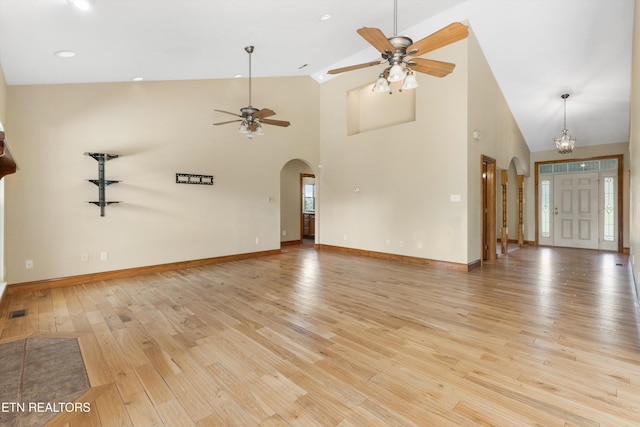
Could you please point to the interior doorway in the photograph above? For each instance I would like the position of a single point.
(308, 206)
(488, 197)
(292, 177)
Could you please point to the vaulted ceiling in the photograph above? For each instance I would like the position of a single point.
(537, 49)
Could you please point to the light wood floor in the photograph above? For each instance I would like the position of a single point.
(541, 336)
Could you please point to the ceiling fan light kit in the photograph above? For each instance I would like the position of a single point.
(410, 81)
(400, 53)
(381, 85)
(252, 119)
(566, 142)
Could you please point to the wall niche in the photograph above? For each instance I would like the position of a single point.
(367, 110)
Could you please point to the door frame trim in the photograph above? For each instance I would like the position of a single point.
(489, 238)
(300, 192)
(620, 158)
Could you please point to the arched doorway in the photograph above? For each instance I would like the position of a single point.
(297, 208)
(510, 208)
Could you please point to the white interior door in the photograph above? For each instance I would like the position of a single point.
(575, 201)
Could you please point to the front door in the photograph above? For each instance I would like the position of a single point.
(576, 210)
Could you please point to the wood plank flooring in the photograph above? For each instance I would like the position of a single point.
(541, 336)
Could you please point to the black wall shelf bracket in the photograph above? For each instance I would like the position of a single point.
(101, 182)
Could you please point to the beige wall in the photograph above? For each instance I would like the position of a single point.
(159, 128)
(499, 138)
(404, 173)
(634, 152)
(407, 173)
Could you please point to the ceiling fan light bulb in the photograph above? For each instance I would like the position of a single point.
(258, 130)
(410, 81)
(243, 129)
(380, 85)
(396, 73)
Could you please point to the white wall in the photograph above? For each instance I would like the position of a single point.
(159, 128)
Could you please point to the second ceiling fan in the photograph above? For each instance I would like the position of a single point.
(400, 52)
(251, 118)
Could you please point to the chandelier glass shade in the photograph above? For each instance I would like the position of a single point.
(566, 142)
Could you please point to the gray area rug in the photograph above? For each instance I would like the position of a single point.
(39, 378)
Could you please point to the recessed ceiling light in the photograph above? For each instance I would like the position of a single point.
(65, 54)
(237, 76)
(82, 4)
(137, 79)
(326, 17)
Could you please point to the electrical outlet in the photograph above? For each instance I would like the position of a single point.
(344, 237)
(419, 245)
(103, 256)
(28, 264)
(257, 240)
(284, 232)
(401, 243)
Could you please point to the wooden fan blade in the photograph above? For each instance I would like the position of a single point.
(377, 39)
(265, 112)
(282, 123)
(224, 123)
(447, 35)
(227, 112)
(354, 67)
(432, 67)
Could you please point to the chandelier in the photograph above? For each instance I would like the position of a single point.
(566, 142)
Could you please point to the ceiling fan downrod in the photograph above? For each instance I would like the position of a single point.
(395, 18)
